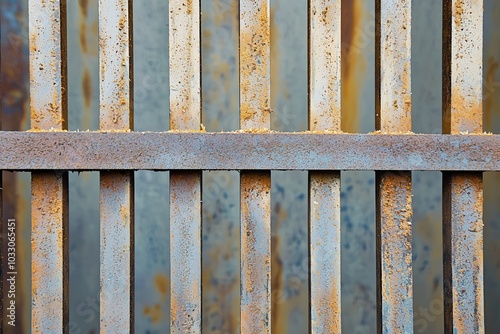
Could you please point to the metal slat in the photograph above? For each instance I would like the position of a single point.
(463, 191)
(117, 187)
(49, 202)
(185, 187)
(240, 151)
(324, 187)
(255, 54)
(393, 189)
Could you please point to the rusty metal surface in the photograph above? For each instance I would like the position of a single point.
(324, 65)
(241, 151)
(117, 260)
(324, 188)
(394, 252)
(463, 192)
(325, 247)
(185, 252)
(115, 64)
(394, 190)
(255, 69)
(357, 207)
(48, 97)
(49, 244)
(117, 188)
(463, 252)
(255, 110)
(48, 103)
(255, 252)
(185, 188)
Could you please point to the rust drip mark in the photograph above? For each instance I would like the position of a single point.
(355, 39)
(87, 87)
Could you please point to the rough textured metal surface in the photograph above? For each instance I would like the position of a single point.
(324, 65)
(255, 109)
(325, 245)
(255, 69)
(324, 188)
(48, 78)
(117, 260)
(185, 252)
(255, 252)
(115, 62)
(49, 243)
(117, 188)
(49, 191)
(185, 65)
(463, 192)
(185, 188)
(394, 252)
(242, 151)
(290, 80)
(394, 190)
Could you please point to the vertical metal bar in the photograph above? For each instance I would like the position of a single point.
(463, 191)
(1, 204)
(255, 190)
(117, 188)
(49, 203)
(185, 187)
(393, 190)
(324, 187)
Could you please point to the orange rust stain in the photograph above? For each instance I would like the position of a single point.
(162, 284)
(459, 11)
(353, 63)
(466, 115)
(156, 312)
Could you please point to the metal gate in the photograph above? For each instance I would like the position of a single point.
(462, 152)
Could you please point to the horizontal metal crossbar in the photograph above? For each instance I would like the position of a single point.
(78, 151)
